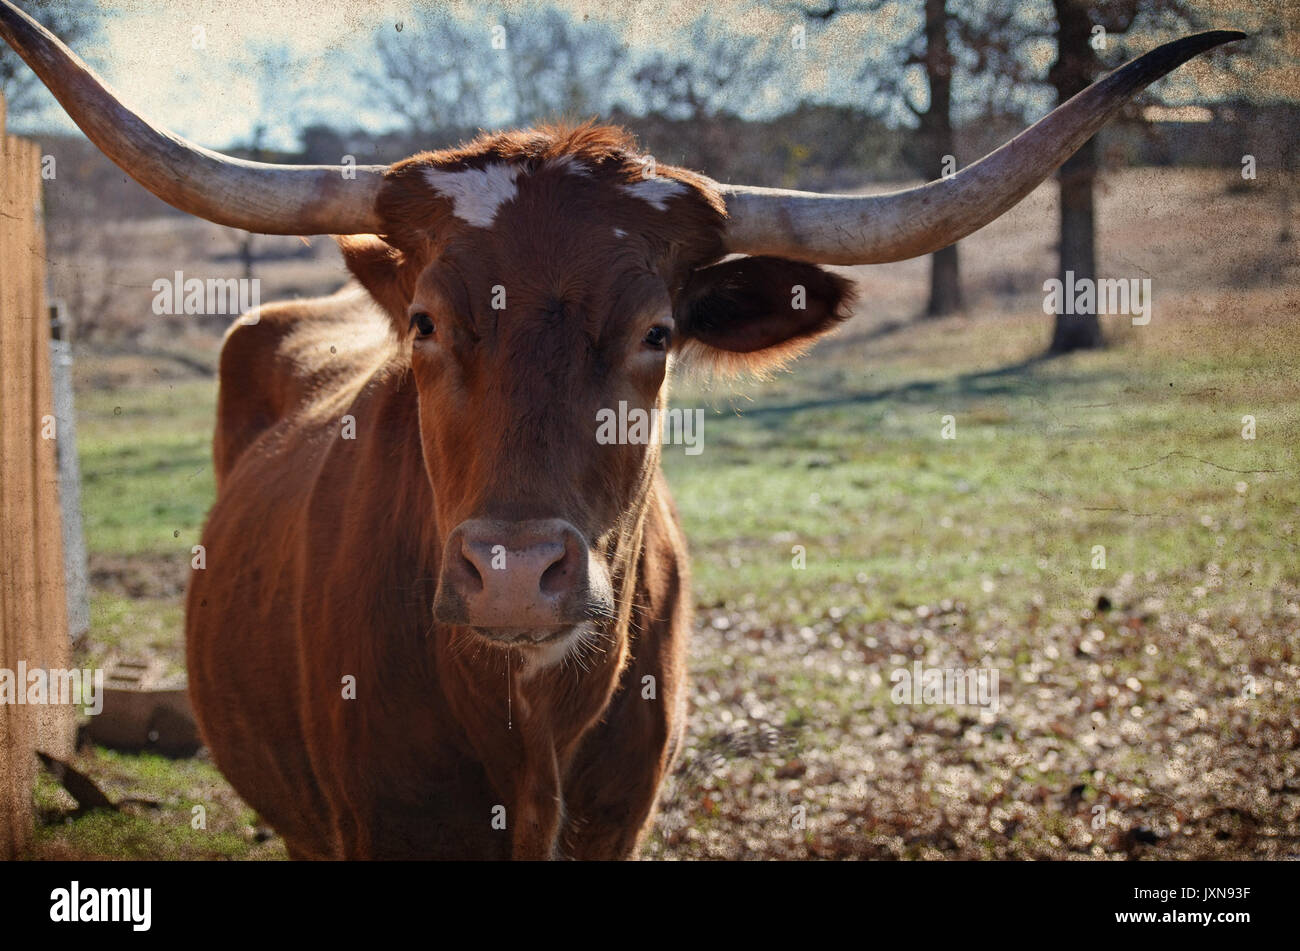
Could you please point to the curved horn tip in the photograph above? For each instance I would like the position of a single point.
(1185, 47)
(876, 229)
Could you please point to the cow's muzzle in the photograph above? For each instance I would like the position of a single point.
(508, 578)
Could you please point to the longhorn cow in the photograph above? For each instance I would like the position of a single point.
(434, 639)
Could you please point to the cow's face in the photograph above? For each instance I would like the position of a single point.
(541, 297)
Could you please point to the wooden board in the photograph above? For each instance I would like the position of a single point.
(33, 612)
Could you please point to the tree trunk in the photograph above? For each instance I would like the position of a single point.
(936, 132)
(1076, 64)
(246, 255)
(945, 283)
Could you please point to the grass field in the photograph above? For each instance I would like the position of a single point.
(1147, 707)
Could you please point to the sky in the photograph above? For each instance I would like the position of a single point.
(193, 65)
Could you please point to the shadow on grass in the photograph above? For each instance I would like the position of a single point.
(1015, 379)
(189, 464)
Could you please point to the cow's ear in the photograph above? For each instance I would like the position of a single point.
(755, 313)
(383, 270)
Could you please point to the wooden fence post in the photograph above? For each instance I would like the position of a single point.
(33, 609)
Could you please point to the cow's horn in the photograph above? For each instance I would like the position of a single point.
(254, 196)
(874, 229)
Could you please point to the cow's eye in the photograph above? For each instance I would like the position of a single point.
(658, 338)
(423, 322)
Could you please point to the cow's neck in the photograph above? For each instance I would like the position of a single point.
(521, 718)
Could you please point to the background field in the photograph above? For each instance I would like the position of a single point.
(1147, 708)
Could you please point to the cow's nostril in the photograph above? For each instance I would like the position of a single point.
(558, 577)
(471, 574)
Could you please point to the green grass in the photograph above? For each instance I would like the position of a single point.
(187, 811)
(146, 463)
(1111, 449)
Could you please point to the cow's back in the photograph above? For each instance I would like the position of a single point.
(281, 359)
(289, 374)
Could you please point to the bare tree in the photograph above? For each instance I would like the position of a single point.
(936, 132)
(979, 32)
(443, 75)
(722, 73)
(277, 72)
(86, 269)
(989, 37)
(433, 71)
(1082, 27)
(558, 67)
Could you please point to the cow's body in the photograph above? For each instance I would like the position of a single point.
(365, 680)
(299, 593)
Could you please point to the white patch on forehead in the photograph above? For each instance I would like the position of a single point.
(620, 233)
(476, 193)
(656, 191)
(567, 163)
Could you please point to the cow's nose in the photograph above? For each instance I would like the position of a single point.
(529, 574)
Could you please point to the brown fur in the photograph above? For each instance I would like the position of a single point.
(323, 553)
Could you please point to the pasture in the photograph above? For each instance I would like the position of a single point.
(1147, 707)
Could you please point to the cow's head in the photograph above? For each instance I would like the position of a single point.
(540, 277)
(541, 281)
